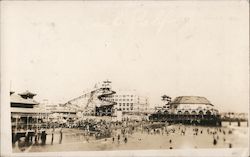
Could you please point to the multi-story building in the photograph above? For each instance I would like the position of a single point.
(129, 101)
(25, 114)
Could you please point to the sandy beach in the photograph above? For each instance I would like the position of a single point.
(170, 137)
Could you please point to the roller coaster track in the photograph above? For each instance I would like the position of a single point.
(103, 97)
(105, 105)
(101, 94)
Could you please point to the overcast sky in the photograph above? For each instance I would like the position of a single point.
(60, 49)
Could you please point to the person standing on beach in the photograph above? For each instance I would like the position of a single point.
(52, 135)
(61, 136)
(214, 142)
(118, 138)
(43, 137)
(125, 139)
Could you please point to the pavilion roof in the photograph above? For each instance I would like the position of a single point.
(27, 93)
(191, 100)
(15, 98)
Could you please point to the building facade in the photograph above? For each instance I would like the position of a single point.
(129, 101)
(25, 115)
(188, 110)
(195, 105)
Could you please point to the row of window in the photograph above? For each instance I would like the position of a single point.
(120, 104)
(131, 109)
(122, 99)
(122, 95)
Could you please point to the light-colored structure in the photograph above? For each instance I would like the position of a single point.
(193, 110)
(103, 100)
(94, 102)
(192, 105)
(129, 101)
(24, 113)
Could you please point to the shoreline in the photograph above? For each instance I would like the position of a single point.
(76, 140)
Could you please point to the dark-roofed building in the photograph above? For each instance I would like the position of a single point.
(23, 100)
(24, 113)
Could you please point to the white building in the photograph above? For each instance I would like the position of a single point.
(192, 105)
(130, 101)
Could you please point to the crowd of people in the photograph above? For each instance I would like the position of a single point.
(117, 132)
(216, 134)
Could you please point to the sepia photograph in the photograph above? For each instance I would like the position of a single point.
(125, 78)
